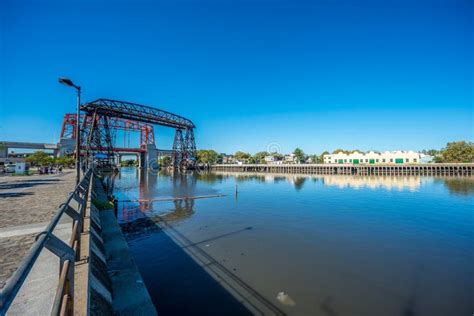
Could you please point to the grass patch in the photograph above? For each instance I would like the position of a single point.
(102, 205)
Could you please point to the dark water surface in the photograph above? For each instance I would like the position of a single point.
(302, 245)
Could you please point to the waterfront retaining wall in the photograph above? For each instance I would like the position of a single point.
(107, 281)
(388, 169)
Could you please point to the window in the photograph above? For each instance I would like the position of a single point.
(383, 160)
(367, 160)
(376, 160)
(406, 160)
(345, 160)
(350, 160)
(391, 160)
(414, 160)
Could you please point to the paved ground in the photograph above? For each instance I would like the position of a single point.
(27, 204)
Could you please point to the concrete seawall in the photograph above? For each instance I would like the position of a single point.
(462, 169)
(107, 280)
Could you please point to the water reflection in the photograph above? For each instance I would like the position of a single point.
(186, 184)
(455, 184)
(411, 183)
(337, 245)
(182, 185)
(460, 186)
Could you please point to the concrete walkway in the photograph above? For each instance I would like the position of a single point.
(37, 293)
(27, 204)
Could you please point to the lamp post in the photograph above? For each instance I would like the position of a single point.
(69, 83)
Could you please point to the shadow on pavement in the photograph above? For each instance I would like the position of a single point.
(15, 194)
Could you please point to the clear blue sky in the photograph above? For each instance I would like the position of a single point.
(318, 75)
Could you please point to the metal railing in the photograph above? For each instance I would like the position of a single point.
(67, 253)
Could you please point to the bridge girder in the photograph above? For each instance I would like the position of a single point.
(184, 148)
(137, 112)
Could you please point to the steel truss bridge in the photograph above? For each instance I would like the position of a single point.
(147, 134)
(103, 117)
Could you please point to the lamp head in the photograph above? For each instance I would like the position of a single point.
(67, 82)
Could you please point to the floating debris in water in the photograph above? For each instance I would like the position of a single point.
(207, 245)
(285, 299)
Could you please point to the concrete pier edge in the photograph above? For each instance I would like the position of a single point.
(107, 279)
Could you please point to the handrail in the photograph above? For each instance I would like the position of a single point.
(46, 239)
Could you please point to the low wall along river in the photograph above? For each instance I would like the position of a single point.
(414, 169)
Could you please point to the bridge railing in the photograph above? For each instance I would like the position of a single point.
(66, 252)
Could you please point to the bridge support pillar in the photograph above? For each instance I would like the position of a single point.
(3, 151)
(151, 155)
(66, 147)
(141, 160)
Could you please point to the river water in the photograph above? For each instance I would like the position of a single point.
(271, 244)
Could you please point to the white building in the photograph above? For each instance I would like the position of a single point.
(387, 157)
(291, 158)
(227, 158)
(426, 158)
(269, 159)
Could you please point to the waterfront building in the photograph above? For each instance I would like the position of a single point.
(272, 160)
(269, 159)
(426, 158)
(291, 158)
(372, 157)
(276, 162)
(228, 158)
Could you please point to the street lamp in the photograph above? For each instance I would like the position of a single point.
(69, 83)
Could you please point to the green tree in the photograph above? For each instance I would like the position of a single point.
(461, 151)
(220, 158)
(431, 152)
(164, 161)
(277, 156)
(128, 163)
(207, 156)
(314, 158)
(321, 157)
(64, 161)
(260, 157)
(240, 155)
(40, 158)
(299, 154)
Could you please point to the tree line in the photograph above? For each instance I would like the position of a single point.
(460, 151)
(42, 159)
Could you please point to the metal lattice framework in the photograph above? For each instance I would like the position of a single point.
(98, 140)
(147, 135)
(102, 110)
(137, 112)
